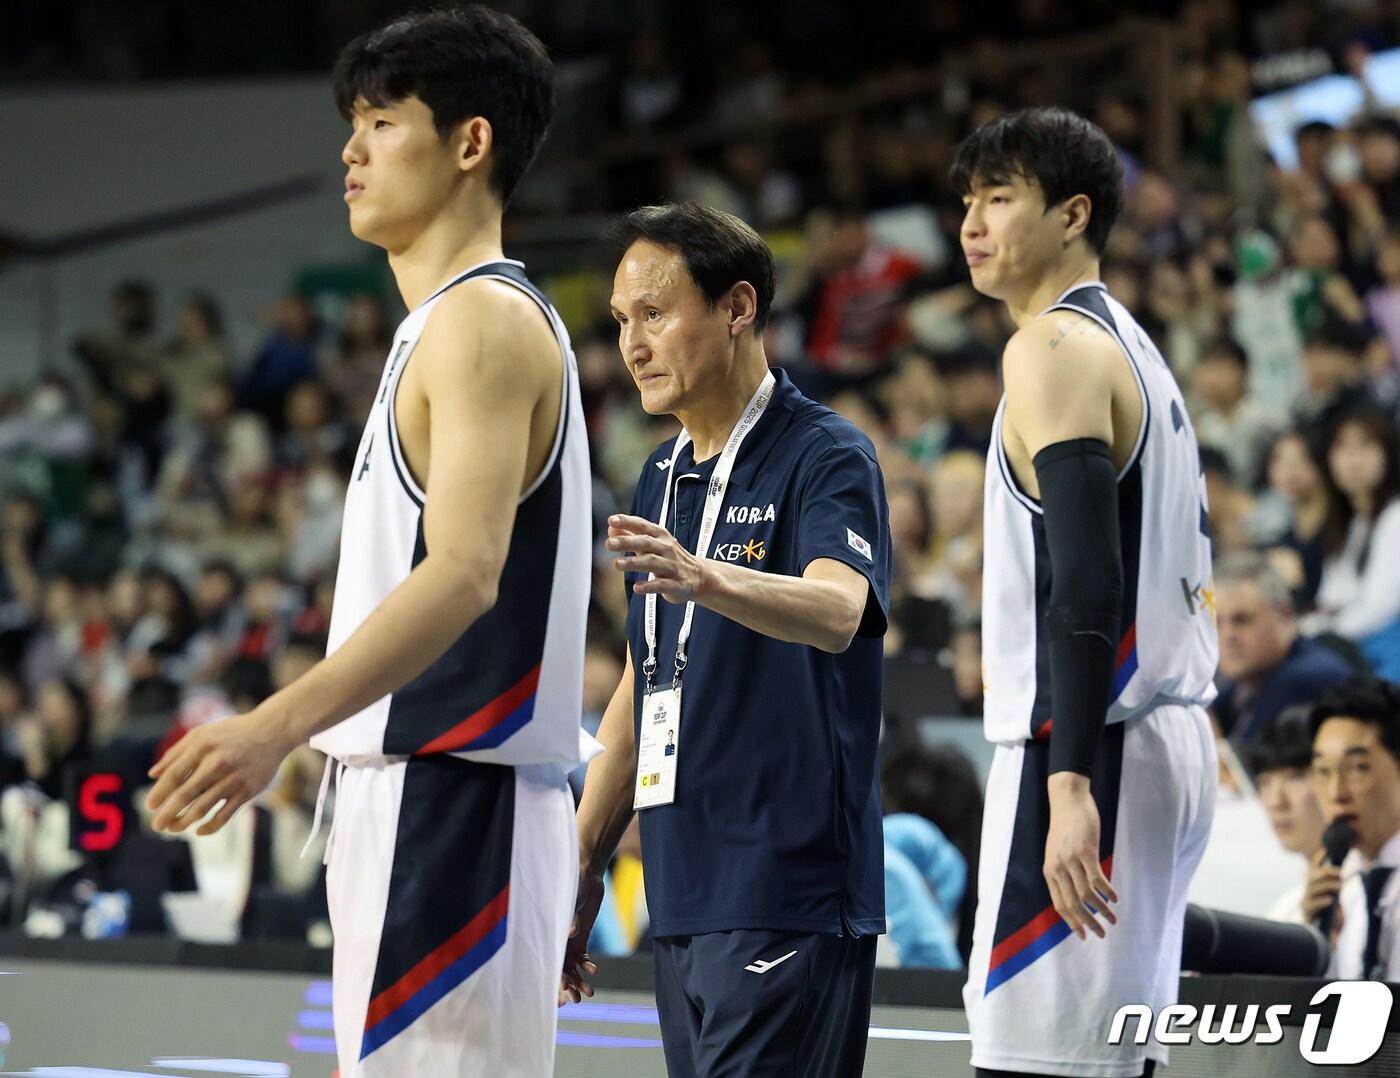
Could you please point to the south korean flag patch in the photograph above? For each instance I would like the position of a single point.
(859, 545)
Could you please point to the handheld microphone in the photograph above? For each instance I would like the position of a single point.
(1337, 840)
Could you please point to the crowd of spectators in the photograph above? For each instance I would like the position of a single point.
(171, 509)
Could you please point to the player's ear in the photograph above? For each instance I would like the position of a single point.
(743, 307)
(1075, 211)
(474, 141)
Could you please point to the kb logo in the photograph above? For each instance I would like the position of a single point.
(1363, 1010)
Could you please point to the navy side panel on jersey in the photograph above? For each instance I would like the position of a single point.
(1041, 705)
(509, 689)
(1130, 537)
(482, 689)
(1091, 302)
(1027, 924)
(449, 892)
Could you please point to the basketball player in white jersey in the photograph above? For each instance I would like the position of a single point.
(450, 699)
(1099, 641)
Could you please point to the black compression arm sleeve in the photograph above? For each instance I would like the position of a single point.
(1079, 493)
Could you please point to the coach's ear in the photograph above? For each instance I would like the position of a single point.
(743, 308)
(1075, 212)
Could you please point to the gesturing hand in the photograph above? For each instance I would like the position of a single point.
(231, 760)
(1078, 886)
(680, 575)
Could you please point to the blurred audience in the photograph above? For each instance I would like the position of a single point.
(853, 306)
(196, 357)
(1266, 665)
(46, 744)
(1300, 495)
(1226, 418)
(938, 786)
(172, 502)
(1359, 597)
(925, 876)
(288, 356)
(1280, 759)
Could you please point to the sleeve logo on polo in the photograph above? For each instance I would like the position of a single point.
(859, 545)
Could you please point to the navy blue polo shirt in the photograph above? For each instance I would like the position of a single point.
(776, 822)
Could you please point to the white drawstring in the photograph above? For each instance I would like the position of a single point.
(335, 816)
(331, 765)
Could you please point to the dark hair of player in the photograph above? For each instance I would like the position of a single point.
(1065, 154)
(461, 63)
(718, 249)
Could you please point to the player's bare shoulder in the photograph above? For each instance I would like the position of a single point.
(1061, 373)
(1057, 350)
(488, 355)
(1068, 377)
(497, 331)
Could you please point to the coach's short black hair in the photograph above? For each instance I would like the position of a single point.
(1367, 700)
(1060, 150)
(461, 63)
(718, 249)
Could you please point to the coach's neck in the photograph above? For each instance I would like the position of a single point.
(711, 418)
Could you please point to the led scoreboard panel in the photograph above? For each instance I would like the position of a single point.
(100, 806)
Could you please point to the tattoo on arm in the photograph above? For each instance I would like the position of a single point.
(1079, 326)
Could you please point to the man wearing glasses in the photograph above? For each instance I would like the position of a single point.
(1356, 768)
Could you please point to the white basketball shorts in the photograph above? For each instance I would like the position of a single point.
(1038, 998)
(451, 885)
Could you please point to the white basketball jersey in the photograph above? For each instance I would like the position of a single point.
(510, 689)
(1168, 649)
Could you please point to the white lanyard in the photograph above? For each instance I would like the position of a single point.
(714, 500)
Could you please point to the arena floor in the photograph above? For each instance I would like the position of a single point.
(70, 1020)
(62, 1019)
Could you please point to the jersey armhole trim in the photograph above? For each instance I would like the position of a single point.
(1141, 441)
(471, 271)
(565, 354)
(406, 480)
(1008, 476)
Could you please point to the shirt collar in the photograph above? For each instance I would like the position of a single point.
(785, 396)
(1389, 853)
(461, 274)
(1072, 289)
